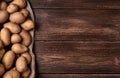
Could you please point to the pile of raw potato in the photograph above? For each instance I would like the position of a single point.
(15, 38)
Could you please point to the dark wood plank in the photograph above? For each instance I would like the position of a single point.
(77, 57)
(84, 4)
(76, 24)
(81, 41)
(78, 76)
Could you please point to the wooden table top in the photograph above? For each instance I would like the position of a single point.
(77, 38)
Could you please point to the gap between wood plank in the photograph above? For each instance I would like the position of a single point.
(72, 8)
(78, 75)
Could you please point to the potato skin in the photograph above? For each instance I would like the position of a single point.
(26, 73)
(3, 16)
(27, 57)
(15, 38)
(5, 36)
(26, 38)
(13, 28)
(28, 25)
(8, 59)
(17, 17)
(2, 69)
(2, 52)
(20, 3)
(3, 5)
(25, 12)
(21, 64)
(12, 8)
(1, 44)
(19, 48)
(12, 74)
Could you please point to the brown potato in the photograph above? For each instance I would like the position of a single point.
(17, 17)
(27, 57)
(3, 16)
(3, 5)
(26, 38)
(15, 38)
(8, 59)
(24, 12)
(20, 3)
(1, 44)
(0, 35)
(28, 25)
(2, 52)
(19, 48)
(2, 69)
(13, 28)
(21, 64)
(5, 36)
(12, 74)
(12, 8)
(26, 73)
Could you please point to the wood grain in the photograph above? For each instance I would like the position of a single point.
(77, 36)
(78, 76)
(83, 4)
(77, 57)
(82, 25)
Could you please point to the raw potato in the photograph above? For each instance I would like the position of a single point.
(5, 36)
(26, 73)
(0, 35)
(13, 28)
(15, 38)
(12, 74)
(2, 69)
(3, 16)
(19, 48)
(2, 52)
(8, 59)
(17, 17)
(28, 25)
(12, 8)
(24, 12)
(3, 5)
(27, 57)
(26, 38)
(21, 64)
(20, 3)
(1, 44)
